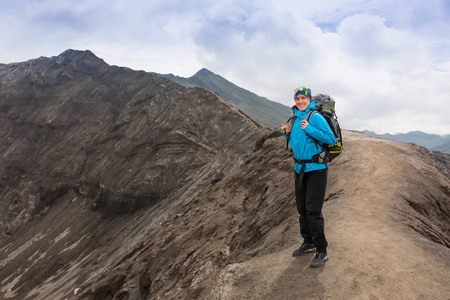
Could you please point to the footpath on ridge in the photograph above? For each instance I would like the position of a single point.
(387, 238)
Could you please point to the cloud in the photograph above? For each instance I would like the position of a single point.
(387, 63)
(379, 74)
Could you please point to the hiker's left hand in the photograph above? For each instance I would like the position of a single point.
(304, 123)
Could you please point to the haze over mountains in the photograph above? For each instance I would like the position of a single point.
(121, 184)
(430, 141)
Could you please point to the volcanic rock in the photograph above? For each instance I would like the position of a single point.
(120, 138)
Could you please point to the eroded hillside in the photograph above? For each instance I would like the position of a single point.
(120, 138)
(84, 145)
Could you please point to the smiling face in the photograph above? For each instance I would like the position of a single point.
(302, 102)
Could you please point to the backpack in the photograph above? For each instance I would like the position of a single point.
(325, 106)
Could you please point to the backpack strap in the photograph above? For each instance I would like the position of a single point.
(315, 159)
(291, 120)
(303, 162)
(309, 115)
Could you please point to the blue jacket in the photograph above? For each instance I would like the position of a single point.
(303, 145)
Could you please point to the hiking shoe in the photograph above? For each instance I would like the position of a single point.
(319, 259)
(304, 248)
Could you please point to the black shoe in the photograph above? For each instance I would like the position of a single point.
(304, 248)
(319, 259)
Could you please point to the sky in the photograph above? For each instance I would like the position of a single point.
(385, 62)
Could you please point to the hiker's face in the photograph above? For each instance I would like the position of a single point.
(302, 102)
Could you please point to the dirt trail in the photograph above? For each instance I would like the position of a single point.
(375, 253)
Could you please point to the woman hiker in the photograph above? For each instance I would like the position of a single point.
(310, 177)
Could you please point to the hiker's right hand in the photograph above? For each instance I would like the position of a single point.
(288, 128)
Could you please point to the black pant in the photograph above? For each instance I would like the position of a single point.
(310, 195)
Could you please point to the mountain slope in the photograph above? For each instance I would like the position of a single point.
(444, 147)
(81, 122)
(85, 145)
(266, 112)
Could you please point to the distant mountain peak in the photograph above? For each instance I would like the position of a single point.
(77, 54)
(81, 59)
(203, 73)
(261, 109)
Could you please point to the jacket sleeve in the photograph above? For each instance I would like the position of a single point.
(319, 129)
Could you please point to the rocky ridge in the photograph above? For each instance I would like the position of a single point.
(121, 138)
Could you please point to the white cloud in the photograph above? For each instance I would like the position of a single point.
(380, 75)
(387, 63)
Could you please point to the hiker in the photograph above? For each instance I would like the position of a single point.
(310, 177)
